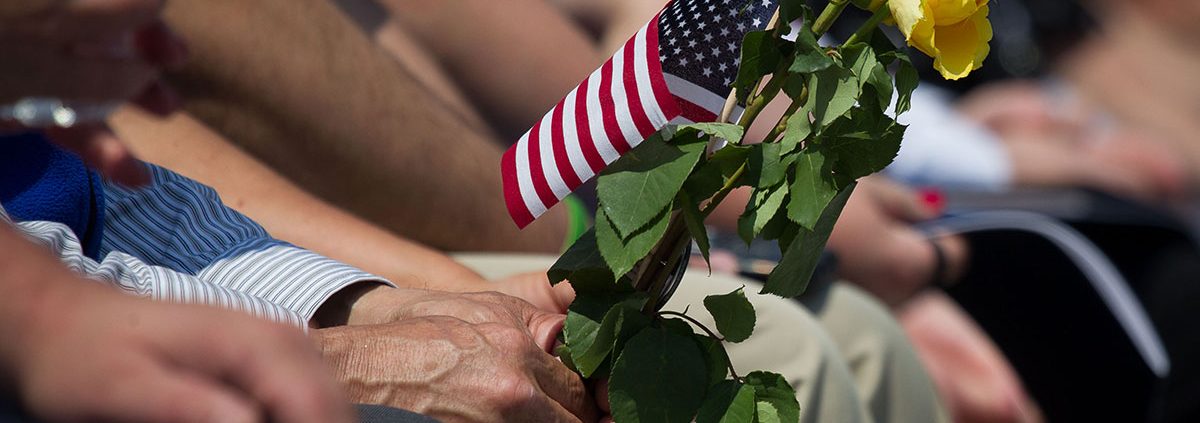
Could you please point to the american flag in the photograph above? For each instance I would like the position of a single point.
(678, 68)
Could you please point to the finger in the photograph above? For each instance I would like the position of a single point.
(101, 150)
(275, 365)
(601, 393)
(546, 410)
(544, 328)
(158, 394)
(564, 387)
(158, 45)
(85, 19)
(565, 294)
(292, 383)
(159, 99)
(900, 202)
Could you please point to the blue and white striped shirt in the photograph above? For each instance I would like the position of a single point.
(175, 241)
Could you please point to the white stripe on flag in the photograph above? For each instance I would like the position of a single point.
(645, 88)
(624, 115)
(696, 94)
(549, 164)
(595, 118)
(525, 179)
(571, 136)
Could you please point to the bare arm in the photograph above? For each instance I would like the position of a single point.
(287, 212)
(515, 59)
(295, 84)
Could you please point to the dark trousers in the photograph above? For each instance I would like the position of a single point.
(366, 414)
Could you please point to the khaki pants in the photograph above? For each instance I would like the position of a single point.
(847, 358)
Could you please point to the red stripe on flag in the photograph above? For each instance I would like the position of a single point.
(662, 93)
(540, 186)
(608, 109)
(693, 112)
(559, 143)
(512, 190)
(595, 161)
(633, 97)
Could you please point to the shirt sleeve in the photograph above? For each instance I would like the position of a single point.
(133, 276)
(179, 224)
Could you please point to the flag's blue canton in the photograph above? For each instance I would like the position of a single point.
(701, 40)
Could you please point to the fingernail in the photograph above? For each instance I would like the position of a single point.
(933, 199)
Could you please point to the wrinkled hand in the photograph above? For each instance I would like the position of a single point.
(92, 354)
(973, 377)
(456, 370)
(879, 249)
(382, 305)
(97, 51)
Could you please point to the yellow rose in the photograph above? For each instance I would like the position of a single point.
(955, 33)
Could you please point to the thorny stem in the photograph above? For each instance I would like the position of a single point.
(782, 124)
(711, 334)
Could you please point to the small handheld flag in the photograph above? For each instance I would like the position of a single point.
(678, 68)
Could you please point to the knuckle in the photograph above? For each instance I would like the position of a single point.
(512, 391)
(508, 338)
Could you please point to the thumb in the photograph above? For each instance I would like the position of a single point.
(544, 328)
(162, 395)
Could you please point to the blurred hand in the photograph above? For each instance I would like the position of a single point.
(972, 376)
(92, 354)
(456, 370)
(95, 51)
(878, 248)
(1054, 145)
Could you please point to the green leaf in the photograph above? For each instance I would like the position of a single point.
(799, 127)
(773, 390)
(764, 203)
(810, 56)
(622, 253)
(860, 59)
(831, 93)
(760, 57)
(794, 271)
(658, 378)
(715, 356)
(792, 10)
(881, 83)
(728, 402)
(695, 223)
(733, 314)
(727, 131)
(767, 166)
(635, 189)
(583, 265)
(590, 342)
(812, 189)
(870, 148)
(715, 172)
(764, 412)
(906, 82)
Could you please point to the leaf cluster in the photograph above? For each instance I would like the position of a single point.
(666, 366)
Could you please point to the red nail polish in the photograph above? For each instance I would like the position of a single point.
(934, 199)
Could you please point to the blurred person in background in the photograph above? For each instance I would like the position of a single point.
(72, 349)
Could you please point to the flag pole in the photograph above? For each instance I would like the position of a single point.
(653, 271)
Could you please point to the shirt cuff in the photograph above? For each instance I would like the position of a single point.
(292, 277)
